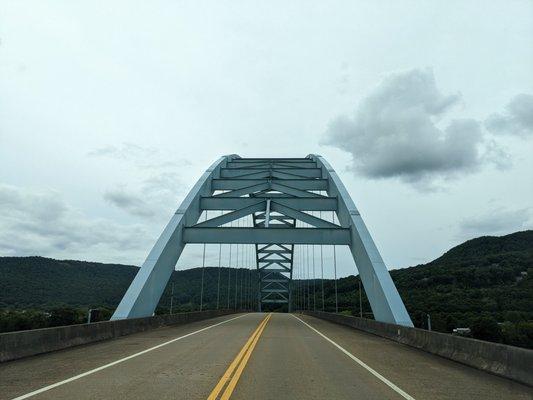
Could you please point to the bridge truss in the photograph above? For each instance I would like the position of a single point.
(282, 195)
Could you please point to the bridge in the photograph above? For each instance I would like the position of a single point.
(280, 347)
(280, 195)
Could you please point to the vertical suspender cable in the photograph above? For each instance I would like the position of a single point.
(245, 278)
(249, 290)
(295, 261)
(296, 277)
(322, 268)
(251, 283)
(291, 285)
(219, 270)
(299, 278)
(243, 261)
(314, 276)
(302, 267)
(295, 264)
(302, 275)
(236, 270)
(335, 270)
(304, 301)
(247, 286)
(203, 272)
(295, 286)
(250, 254)
(292, 282)
(314, 280)
(247, 274)
(229, 269)
(308, 278)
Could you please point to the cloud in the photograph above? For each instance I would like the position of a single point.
(498, 221)
(158, 183)
(126, 151)
(104, 151)
(394, 132)
(142, 157)
(42, 223)
(517, 118)
(129, 202)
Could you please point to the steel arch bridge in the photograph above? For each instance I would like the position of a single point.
(277, 193)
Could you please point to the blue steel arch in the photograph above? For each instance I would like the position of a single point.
(276, 192)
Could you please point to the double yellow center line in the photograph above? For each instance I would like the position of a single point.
(234, 371)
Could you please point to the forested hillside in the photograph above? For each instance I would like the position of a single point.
(485, 283)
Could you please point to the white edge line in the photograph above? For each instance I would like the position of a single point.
(92, 371)
(361, 363)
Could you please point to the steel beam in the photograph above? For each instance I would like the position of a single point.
(267, 235)
(304, 184)
(292, 191)
(245, 190)
(276, 192)
(300, 204)
(276, 164)
(144, 293)
(232, 216)
(303, 172)
(386, 303)
(307, 218)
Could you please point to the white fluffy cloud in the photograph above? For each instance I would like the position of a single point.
(517, 118)
(395, 132)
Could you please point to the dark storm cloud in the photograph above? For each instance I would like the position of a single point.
(517, 118)
(393, 132)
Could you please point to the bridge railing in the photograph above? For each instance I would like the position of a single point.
(507, 361)
(15, 345)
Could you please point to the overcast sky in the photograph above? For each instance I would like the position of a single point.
(110, 111)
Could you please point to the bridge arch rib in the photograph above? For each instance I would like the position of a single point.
(276, 192)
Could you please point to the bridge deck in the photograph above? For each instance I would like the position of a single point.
(290, 361)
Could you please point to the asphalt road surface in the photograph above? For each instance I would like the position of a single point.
(250, 356)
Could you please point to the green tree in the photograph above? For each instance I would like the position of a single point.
(486, 328)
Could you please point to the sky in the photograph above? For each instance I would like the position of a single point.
(111, 110)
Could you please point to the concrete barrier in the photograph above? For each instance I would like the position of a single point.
(510, 362)
(14, 345)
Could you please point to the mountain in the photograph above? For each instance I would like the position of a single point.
(488, 279)
(44, 284)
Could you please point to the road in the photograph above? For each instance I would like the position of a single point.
(250, 356)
